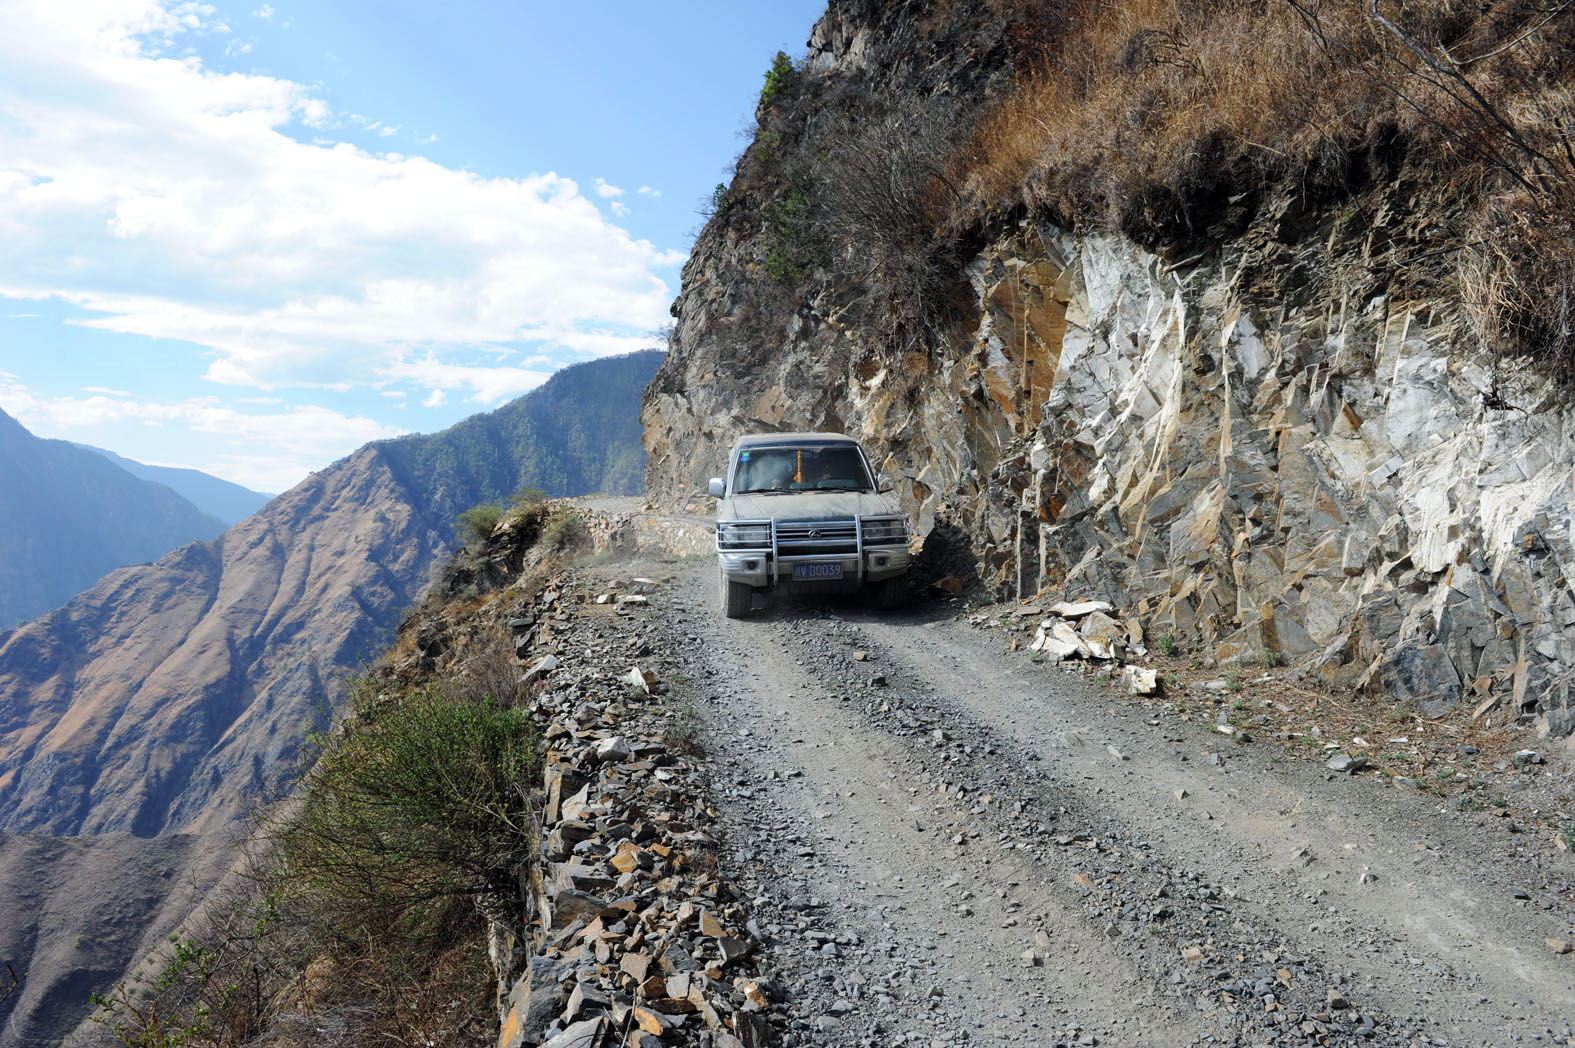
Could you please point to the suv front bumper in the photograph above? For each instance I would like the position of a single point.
(762, 568)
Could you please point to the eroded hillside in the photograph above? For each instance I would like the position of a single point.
(175, 697)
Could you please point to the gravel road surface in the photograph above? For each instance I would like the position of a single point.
(948, 844)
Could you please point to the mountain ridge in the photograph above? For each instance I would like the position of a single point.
(215, 496)
(74, 515)
(119, 709)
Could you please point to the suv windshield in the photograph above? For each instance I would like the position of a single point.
(838, 467)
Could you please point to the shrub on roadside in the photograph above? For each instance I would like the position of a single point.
(563, 532)
(779, 78)
(476, 524)
(415, 801)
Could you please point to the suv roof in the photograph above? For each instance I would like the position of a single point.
(757, 439)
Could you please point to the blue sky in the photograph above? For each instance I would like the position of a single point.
(248, 238)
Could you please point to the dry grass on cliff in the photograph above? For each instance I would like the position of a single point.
(1156, 115)
(1156, 94)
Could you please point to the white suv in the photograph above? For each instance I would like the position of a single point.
(805, 512)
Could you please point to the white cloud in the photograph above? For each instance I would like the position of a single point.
(647, 191)
(173, 201)
(619, 209)
(268, 450)
(265, 12)
(599, 343)
(315, 113)
(487, 385)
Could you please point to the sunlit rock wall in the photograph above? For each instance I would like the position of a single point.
(1328, 481)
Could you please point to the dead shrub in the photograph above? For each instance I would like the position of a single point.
(484, 671)
(880, 200)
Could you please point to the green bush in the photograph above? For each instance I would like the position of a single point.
(417, 800)
(563, 531)
(411, 828)
(788, 233)
(718, 200)
(684, 732)
(477, 523)
(779, 78)
(528, 498)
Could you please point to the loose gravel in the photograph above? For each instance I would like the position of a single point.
(946, 844)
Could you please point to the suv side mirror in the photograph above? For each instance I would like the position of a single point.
(882, 482)
(716, 489)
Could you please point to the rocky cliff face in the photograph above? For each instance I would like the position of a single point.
(1262, 450)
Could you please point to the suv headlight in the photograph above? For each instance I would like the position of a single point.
(885, 531)
(752, 534)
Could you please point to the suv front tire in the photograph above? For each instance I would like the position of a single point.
(737, 597)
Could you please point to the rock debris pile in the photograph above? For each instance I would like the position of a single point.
(1085, 630)
(635, 939)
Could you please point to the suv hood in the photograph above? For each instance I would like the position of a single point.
(815, 505)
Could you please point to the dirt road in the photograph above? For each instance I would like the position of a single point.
(948, 844)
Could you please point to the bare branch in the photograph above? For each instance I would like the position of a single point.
(1548, 16)
(1453, 75)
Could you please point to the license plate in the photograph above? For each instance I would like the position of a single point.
(808, 572)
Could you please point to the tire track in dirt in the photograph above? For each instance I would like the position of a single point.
(929, 825)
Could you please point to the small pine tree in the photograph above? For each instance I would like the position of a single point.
(779, 78)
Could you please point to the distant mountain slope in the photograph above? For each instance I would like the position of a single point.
(170, 695)
(229, 502)
(49, 884)
(578, 440)
(69, 515)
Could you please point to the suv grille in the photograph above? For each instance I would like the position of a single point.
(808, 538)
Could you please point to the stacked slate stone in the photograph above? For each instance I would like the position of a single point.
(635, 940)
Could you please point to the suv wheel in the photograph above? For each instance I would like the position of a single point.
(889, 594)
(737, 597)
